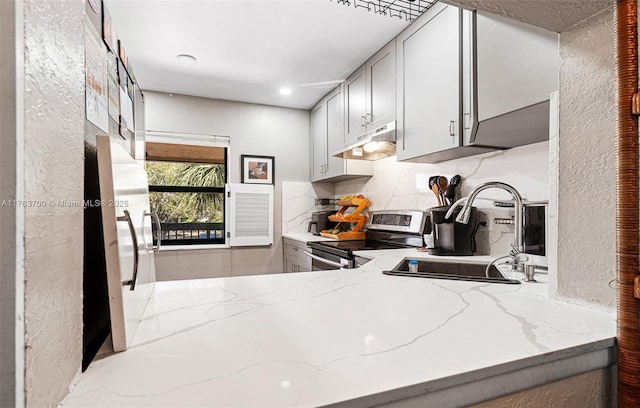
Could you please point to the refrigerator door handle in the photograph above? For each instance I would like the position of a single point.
(127, 217)
(156, 219)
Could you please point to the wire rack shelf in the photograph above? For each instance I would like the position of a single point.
(403, 9)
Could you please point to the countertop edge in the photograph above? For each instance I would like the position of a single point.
(493, 382)
(305, 237)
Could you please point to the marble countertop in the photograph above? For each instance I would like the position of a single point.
(305, 237)
(350, 337)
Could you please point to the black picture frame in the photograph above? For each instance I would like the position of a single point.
(255, 169)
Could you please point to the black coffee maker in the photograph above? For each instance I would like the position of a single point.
(449, 237)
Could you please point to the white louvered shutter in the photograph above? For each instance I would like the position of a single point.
(251, 215)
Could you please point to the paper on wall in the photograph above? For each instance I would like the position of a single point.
(126, 109)
(96, 89)
(114, 94)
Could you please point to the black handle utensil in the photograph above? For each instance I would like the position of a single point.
(443, 183)
(433, 186)
(450, 192)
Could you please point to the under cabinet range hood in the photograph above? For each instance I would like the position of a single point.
(373, 145)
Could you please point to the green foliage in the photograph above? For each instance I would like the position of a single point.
(187, 207)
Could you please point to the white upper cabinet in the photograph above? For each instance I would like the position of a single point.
(429, 83)
(327, 137)
(318, 140)
(335, 132)
(457, 82)
(470, 83)
(355, 106)
(381, 87)
(370, 94)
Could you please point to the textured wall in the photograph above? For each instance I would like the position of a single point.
(54, 127)
(593, 390)
(554, 15)
(253, 129)
(586, 162)
(9, 273)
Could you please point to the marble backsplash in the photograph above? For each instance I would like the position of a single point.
(298, 202)
(399, 185)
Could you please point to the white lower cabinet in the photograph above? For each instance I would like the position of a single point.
(294, 258)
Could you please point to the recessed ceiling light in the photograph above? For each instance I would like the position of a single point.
(187, 58)
(285, 91)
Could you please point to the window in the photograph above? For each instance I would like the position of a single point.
(186, 189)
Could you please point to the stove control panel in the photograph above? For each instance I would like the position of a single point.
(397, 221)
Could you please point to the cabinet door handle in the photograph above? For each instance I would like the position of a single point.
(367, 117)
(452, 128)
(127, 217)
(363, 120)
(467, 120)
(317, 258)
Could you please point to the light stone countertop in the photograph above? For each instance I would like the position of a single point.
(350, 338)
(305, 237)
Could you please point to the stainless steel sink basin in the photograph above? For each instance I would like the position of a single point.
(451, 270)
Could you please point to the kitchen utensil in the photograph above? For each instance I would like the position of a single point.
(450, 192)
(433, 181)
(443, 183)
(436, 191)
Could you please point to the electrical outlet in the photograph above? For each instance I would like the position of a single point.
(485, 215)
(422, 182)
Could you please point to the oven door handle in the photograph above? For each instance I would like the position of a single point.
(321, 259)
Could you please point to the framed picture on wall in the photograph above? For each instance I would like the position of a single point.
(257, 169)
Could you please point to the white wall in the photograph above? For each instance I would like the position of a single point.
(253, 129)
(54, 119)
(587, 162)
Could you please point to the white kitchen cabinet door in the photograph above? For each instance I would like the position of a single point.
(124, 192)
(429, 83)
(251, 214)
(381, 87)
(355, 106)
(370, 95)
(319, 141)
(294, 258)
(335, 132)
(327, 137)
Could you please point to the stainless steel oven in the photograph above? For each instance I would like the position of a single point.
(387, 229)
(326, 261)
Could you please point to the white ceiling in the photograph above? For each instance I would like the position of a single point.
(248, 49)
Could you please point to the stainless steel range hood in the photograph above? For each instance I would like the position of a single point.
(376, 144)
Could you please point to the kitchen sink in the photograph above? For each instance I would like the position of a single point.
(436, 269)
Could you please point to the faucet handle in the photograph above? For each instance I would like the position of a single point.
(529, 273)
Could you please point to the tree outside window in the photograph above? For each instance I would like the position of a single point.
(189, 200)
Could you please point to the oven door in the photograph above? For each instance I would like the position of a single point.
(324, 261)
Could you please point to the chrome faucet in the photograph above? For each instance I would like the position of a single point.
(516, 256)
